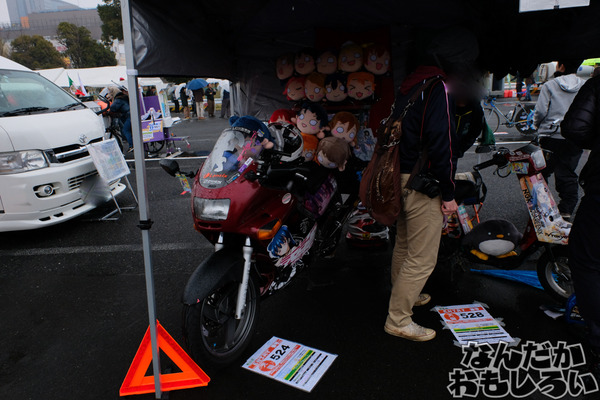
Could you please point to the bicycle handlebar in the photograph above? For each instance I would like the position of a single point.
(498, 159)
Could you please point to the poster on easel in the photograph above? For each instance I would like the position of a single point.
(108, 159)
(152, 119)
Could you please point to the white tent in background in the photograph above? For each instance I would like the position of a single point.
(90, 77)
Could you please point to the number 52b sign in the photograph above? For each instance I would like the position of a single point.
(472, 323)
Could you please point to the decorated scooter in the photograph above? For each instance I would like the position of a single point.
(268, 214)
(498, 242)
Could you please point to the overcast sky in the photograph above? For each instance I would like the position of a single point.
(81, 3)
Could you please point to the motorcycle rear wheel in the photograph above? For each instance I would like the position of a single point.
(555, 277)
(214, 338)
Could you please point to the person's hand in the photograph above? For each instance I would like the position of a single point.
(449, 207)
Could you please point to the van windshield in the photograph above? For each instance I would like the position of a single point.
(24, 92)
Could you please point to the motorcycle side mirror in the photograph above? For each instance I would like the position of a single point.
(170, 166)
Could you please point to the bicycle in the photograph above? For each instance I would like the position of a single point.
(520, 116)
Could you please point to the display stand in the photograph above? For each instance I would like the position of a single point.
(110, 163)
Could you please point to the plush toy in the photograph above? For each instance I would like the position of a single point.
(285, 66)
(312, 119)
(253, 127)
(294, 88)
(282, 115)
(377, 59)
(344, 125)
(496, 237)
(309, 149)
(333, 152)
(361, 85)
(314, 88)
(351, 57)
(327, 62)
(304, 63)
(335, 87)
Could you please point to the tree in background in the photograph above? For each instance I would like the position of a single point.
(112, 26)
(83, 51)
(35, 52)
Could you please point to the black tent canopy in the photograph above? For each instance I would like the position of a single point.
(190, 38)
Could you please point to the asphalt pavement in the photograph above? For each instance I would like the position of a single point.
(74, 309)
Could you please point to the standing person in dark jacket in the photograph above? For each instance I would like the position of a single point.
(210, 100)
(581, 126)
(120, 106)
(199, 99)
(427, 127)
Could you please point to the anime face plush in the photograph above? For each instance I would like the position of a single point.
(361, 85)
(350, 58)
(294, 89)
(311, 119)
(282, 115)
(344, 125)
(309, 143)
(333, 152)
(327, 62)
(335, 87)
(304, 62)
(314, 88)
(285, 66)
(377, 59)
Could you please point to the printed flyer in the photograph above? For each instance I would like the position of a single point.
(472, 323)
(290, 363)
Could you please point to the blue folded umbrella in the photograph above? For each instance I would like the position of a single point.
(527, 277)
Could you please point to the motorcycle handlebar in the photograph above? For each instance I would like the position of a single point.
(498, 159)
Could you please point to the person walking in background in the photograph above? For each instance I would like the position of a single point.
(184, 101)
(210, 100)
(555, 98)
(175, 99)
(199, 100)
(528, 85)
(581, 126)
(120, 107)
(225, 105)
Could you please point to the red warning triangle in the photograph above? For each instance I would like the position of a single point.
(137, 383)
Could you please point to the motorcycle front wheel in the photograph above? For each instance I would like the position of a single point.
(554, 273)
(214, 338)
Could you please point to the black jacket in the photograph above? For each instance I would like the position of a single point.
(432, 117)
(581, 125)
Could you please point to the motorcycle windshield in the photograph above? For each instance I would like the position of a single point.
(233, 153)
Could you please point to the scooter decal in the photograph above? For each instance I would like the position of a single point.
(547, 221)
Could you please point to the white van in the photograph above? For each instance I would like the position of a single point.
(43, 158)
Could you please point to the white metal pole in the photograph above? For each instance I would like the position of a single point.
(140, 173)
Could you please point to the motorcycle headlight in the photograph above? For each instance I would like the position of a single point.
(211, 209)
(21, 161)
(539, 162)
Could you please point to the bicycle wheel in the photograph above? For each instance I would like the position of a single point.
(521, 121)
(117, 137)
(491, 117)
(155, 147)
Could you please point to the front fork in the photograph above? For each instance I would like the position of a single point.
(243, 288)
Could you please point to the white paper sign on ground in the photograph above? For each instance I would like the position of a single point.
(291, 363)
(472, 323)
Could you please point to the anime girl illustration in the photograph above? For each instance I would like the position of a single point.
(282, 243)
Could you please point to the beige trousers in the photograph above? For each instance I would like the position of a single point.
(419, 230)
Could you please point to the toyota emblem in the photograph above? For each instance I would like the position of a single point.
(83, 139)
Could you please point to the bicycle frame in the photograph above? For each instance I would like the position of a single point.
(516, 117)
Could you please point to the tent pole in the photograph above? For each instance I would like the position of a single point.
(140, 173)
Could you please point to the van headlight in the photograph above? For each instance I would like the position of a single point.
(211, 209)
(22, 161)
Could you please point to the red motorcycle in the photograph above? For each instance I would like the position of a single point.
(498, 243)
(267, 221)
